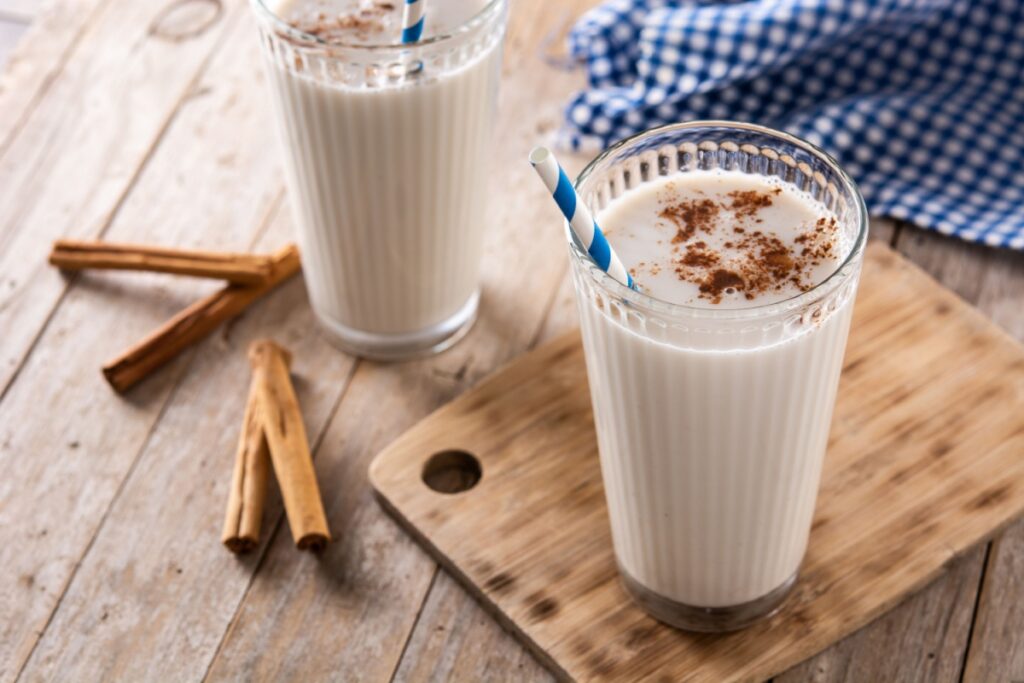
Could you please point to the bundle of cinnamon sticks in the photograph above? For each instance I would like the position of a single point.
(248, 277)
(273, 435)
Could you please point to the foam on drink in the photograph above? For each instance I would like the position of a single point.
(722, 238)
(370, 22)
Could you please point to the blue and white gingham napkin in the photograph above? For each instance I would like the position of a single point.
(921, 101)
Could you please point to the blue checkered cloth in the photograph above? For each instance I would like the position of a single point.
(921, 101)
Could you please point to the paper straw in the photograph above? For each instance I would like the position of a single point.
(576, 212)
(412, 21)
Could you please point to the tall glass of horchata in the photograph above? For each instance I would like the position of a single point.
(713, 385)
(385, 151)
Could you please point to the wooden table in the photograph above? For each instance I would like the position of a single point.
(148, 121)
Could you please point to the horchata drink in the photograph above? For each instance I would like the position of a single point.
(713, 383)
(386, 161)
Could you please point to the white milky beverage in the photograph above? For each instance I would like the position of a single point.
(386, 163)
(713, 390)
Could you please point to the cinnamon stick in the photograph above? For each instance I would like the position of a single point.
(279, 413)
(194, 323)
(248, 484)
(244, 269)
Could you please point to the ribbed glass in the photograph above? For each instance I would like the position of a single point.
(712, 423)
(386, 166)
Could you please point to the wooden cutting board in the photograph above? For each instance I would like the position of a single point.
(925, 459)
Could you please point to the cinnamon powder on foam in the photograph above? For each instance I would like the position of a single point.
(758, 261)
(360, 24)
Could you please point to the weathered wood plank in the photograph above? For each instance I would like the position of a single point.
(454, 637)
(920, 640)
(21, 10)
(348, 610)
(10, 31)
(69, 166)
(67, 442)
(996, 650)
(361, 603)
(456, 640)
(156, 591)
(993, 280)
(990, 279)
(34, 64)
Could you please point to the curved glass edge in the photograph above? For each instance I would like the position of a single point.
(311, 42)
(843, 272)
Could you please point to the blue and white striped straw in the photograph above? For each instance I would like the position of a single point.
(576, 212)
(412, 21)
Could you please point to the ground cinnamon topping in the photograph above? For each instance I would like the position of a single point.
(746, 203)
(754, 261)
(360, 24)
(719, 281)
(699, 257)
(691, 216)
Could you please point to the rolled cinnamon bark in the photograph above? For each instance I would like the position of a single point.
(278, 409)
(248, 484)
(194, 323)
(244, 269)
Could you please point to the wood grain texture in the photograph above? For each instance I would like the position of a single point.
(454, 633)
(456, 640)
(990, 279)
(948, 480)
(78, 464)
(923, 639)
(155, 591)
(32, 67)
(996, 650)
(66, 171)
(22, 10)
(307, 618)
(993, 280)
(10, 31)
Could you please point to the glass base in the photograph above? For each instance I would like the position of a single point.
(406, 345)
(707, 619)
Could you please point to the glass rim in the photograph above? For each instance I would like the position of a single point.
(310, 41)
(818, 291)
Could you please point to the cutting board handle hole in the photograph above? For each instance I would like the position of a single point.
(452, 471)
